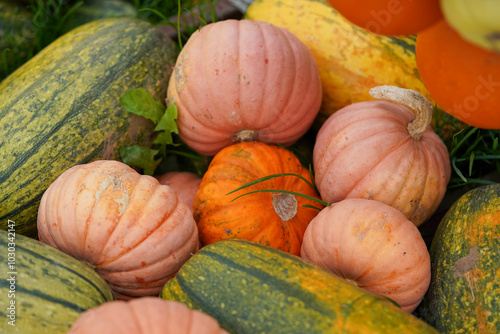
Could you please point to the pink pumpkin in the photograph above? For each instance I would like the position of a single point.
(373, 246)
(380, 150)
(147, 315)
(185, 184)
(244, 80)
(135, 232)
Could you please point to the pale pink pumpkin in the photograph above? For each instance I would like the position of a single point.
(146, 315)
(135, 232)
(375, 150)
(374, 246)
(184, 184)
(243, 80)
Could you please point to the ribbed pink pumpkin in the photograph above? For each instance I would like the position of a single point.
(242, 80)
(379, 150)
(184, 184)
(146, 315)
(372, 245)
(135, 232)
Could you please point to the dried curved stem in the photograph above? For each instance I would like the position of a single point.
(411, 99)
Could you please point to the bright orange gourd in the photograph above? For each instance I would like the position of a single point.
(271, 218)
(184, 184)
(243, 80)
(135, 232)
(463, 79)
(372, 245)
(390, 17)
(379, 150)
(146, 315)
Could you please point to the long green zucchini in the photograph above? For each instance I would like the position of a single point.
(43, 290)
(62, 107)
(252, 288)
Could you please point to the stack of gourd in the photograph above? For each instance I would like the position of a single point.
(259, 243)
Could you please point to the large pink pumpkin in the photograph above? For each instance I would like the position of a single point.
(242, 80)
(380, 150)
(372, 245)
(147, 315)
(135, 232)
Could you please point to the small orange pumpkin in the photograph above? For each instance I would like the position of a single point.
(373, 246)
(271, 218)
(379, 150)
(135, 232)
(243, 80)
(146, 315)
(463, 79)
(184, 184)
(390, 17)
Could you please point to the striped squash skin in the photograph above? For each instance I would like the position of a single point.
(51, 289)
(62, 107)
(464, 293)
(252, 288)
(351, 60)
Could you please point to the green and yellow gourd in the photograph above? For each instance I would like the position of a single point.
(351, 60)
(62, 107)
(44, 290)
(252, 288)
(463, 295)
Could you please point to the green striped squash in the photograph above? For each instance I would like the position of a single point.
(464, 293)
(62, 107)
(252, 288)
(50, 289)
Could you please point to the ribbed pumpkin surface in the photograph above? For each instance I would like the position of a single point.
(465, 259)
(51, 288)
(251, 288)
(351, 60)
(62, 107)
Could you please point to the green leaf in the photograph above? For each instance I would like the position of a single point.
(141, 102)
(167, 125)
(142, 157)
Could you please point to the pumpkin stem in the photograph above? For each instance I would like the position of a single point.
(411, 99)
(245, 135)
(285, 205)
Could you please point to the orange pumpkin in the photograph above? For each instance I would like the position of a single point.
(184, 184)
(379, 150)
(271, 218)
(373, 246)
(244, 80)
(132, 230)
(390, 17)
(463, 79)
(147, 315)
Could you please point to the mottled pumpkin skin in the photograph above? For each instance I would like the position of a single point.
(365, 151)
(463, 296)
(253, 217)
(134, 231)
(251, 288)
(373, 245)
(236, 75)
(146, 315)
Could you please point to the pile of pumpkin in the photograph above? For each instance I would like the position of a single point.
(259, 243)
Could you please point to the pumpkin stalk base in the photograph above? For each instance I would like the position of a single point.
(244, 135)
(411, 99)
(285, 206)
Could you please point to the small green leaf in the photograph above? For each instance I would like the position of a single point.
(142, 157)
(141, 102)
(167, 125)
